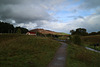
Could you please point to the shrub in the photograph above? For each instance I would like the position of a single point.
(76, 39)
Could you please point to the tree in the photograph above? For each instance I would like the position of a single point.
(79, 31)
(72, 32)
(18, 31)
(93, 33)
(23, 30)
(6, 27)
(98, 32)
(9, 28)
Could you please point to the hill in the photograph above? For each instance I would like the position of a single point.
(43, 31)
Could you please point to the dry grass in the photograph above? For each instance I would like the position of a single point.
(26, 51)
(91, 39)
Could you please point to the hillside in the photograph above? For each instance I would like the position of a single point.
(43, 31)
(79, 56)
(91, 39)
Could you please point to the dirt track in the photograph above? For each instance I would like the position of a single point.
(60, 57)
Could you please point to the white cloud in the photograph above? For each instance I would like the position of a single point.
(91, 23)
(29, 26)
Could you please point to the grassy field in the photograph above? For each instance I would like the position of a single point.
(62, 38)
(90, 40)
(26, 51)
(78, 56)
(64, 33)
(7, 37)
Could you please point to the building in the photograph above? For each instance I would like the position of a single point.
(31, 33)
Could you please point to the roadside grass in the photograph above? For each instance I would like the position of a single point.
(78, 56)
(27, 51)
(62, 38)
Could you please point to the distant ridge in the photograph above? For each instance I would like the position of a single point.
(43, 31)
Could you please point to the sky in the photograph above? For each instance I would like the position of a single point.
(55, 15)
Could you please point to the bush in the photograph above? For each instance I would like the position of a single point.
(76, 39)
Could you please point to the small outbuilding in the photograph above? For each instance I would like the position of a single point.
(31, 33)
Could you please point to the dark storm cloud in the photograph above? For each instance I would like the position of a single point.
(9, 2)
(23, 11)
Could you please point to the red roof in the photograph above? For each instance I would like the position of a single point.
(32, 32)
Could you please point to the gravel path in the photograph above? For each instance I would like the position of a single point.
(60, 57)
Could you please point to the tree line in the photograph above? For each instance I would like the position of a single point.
(83, 32)
(9, 28)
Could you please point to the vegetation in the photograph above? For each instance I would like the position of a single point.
(96, 47)
(79, 31)
(21, 30)
(26, 51)
(6, 27)
(95, 33)
(7, 37)
(89, 41)
(83, 32)
(76, 39)
(78, 56)
(64, 33)
(9, 28)
(18, 31)
(62, 37)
